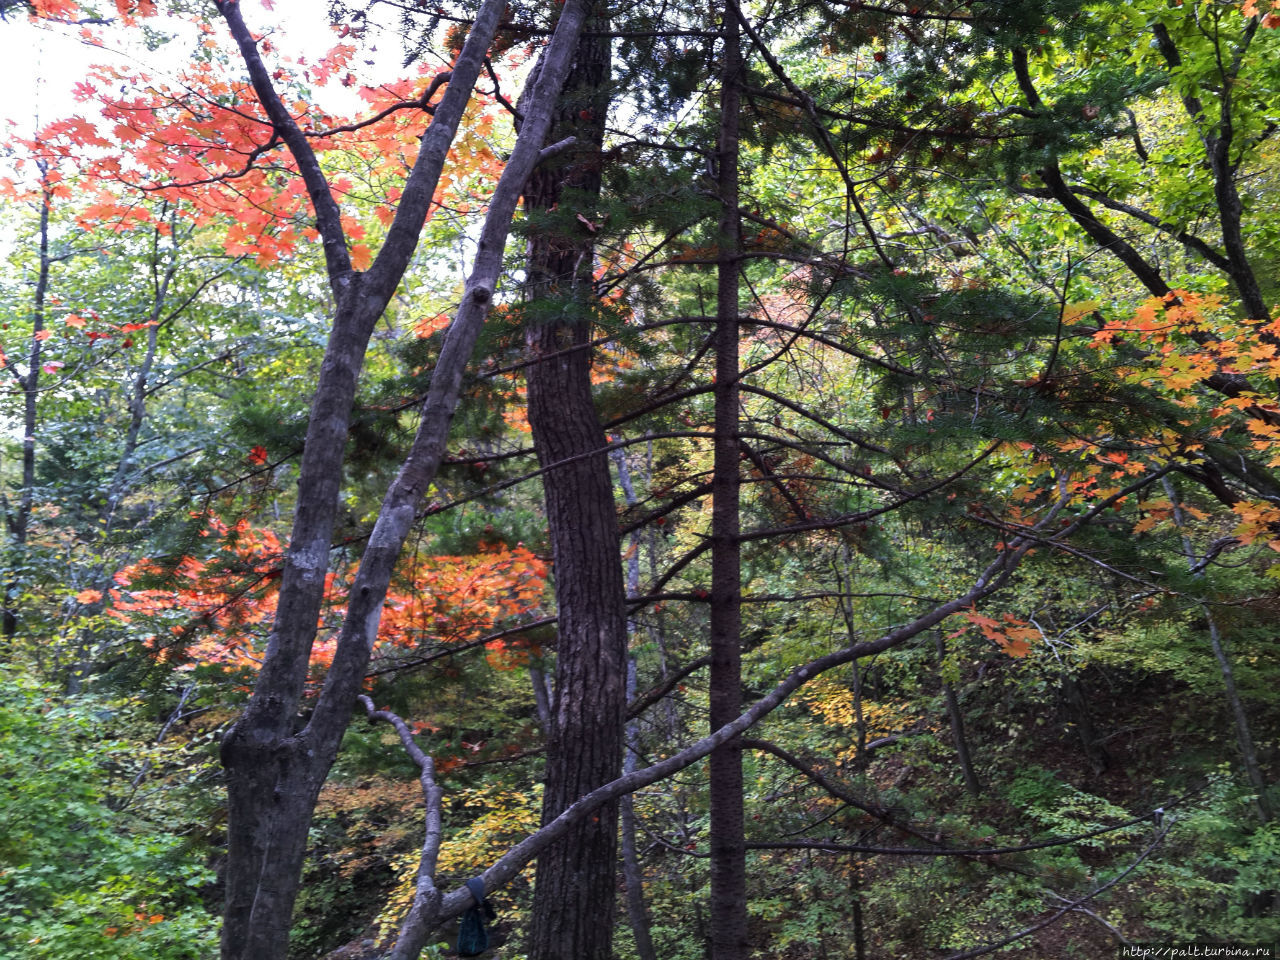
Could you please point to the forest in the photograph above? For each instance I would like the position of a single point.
(563, 480)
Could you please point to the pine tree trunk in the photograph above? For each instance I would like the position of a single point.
(574, 895)
(728, 844)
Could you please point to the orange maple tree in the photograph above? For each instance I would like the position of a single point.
(216, 608)
(200, 137)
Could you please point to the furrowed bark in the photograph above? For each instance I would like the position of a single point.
(275, 772)
(729, 940)
(574, 894)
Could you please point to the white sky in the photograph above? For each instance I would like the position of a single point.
(39, 64)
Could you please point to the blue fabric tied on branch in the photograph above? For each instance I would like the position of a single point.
(473, 938)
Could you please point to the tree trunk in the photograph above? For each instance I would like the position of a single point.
(275, 766)
(1244, 734)
(1077, 704)
(632, 874)
(573, 904)
(956, 717)
(19, 521)
(728, 844)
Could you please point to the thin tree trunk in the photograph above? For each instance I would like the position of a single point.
(543, 697)
(136, 401)
(1219, 149)
(729, 937)
(844, 584)
(632, 874)
(855, 896)
(575, 889)
(1073, 694)
(1244, 735)
(971, 782)
(19, 521)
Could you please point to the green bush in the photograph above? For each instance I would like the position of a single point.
(83, 874)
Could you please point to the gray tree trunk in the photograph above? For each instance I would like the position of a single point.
(275, 763)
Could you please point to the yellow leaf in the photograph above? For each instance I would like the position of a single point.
(1074, 311)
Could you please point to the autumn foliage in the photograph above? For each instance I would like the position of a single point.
(216, 608)
(200, 140)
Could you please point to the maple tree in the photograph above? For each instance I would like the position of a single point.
(211, 152)
(215, 609)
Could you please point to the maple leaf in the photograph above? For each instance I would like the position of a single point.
(428, 326)
(1016, 648)
(55, 9)
(1072, 312)
(1145, 524)
(1256, 519)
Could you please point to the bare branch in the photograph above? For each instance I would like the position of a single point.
(426, 897)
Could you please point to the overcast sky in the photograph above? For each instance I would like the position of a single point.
(39, 64)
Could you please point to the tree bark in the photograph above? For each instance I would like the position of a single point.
(729, 940)
(19, 521)
(275, 765)
(575, 890)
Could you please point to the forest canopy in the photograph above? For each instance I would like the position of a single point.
(655, 480)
